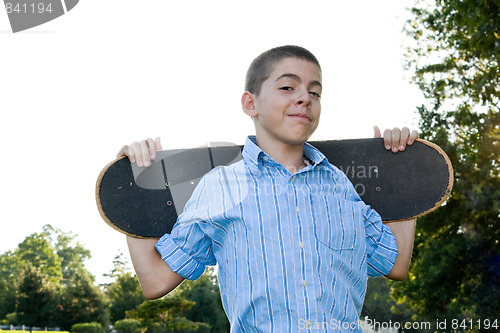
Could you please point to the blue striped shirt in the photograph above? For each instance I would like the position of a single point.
(294, 251)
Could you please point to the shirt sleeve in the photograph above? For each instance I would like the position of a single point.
(381, 247)
(187, 249)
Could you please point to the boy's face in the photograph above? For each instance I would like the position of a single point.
(288, 108)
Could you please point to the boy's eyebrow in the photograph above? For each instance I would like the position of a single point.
(298, 79)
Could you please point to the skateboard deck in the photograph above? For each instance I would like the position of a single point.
(145, 202)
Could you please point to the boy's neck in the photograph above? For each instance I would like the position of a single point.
(289, 156)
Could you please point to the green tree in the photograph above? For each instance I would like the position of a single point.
(380, 308)
(120, 266)
(87, 328)
(123, 294)
(127, 326)
(455, 273)
(35, 304)
(208, 305)
(37, 250)
(82, 302)
(59, 258)
(10, 269)
(456, 52)
(167, 315)
(72, 254)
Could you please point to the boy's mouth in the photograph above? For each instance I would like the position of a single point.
(300, 116)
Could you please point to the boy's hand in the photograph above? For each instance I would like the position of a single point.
(396, 139)
(142, 152)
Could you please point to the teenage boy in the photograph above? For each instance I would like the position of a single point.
(293, 240)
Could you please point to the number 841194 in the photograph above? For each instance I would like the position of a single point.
(25, 8)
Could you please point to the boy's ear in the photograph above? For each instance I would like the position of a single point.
(248, 104)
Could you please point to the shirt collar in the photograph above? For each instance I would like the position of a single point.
(314, 155)
(253, 155)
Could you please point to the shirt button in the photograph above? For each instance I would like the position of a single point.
(293, 179)
(304, 283)
(297, 210)
(265, 158)
(302, 245)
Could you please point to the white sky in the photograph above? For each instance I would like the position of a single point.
(75, 90)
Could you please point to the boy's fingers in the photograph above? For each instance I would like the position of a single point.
(396, 136)
(135, 151)
(144, 153)
(158, 144)
(387, 139)
(151, 148)
(141, 152)
(413, 137)
(122, 152)
(376, 132)
(405, 134)
(126, 152)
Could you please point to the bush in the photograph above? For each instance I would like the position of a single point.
(127, 326)
(11, 318)
(87, 328)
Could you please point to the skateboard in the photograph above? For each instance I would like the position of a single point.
(145, 202)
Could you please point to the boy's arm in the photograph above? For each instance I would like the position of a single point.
(155, 276)
(404, 231)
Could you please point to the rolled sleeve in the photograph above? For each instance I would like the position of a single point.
(381, 245)
(187, 250)
(178, 260)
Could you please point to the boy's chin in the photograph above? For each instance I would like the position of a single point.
(298, 140)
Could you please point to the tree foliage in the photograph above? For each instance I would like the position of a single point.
(195, 306)
(44, 282)
(57, 261)
(10, 269)
(208, 305)
(456, 51)
(124, 294)
(167, 315)
(91, 327)
(127, 326)
(36, 301)
(37, 250)
(379, 307)
(82, 302)
(455, 272)
(72, 254)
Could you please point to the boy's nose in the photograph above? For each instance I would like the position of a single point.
(304, 98)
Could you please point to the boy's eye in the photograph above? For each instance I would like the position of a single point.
(287, 88)
(315, 94)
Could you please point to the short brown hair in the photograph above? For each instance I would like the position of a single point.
(263, 65)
